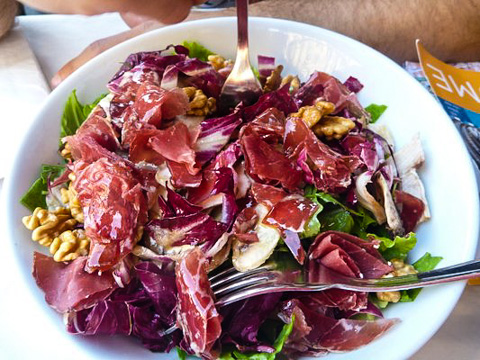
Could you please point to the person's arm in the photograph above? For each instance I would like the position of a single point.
(450, 29)
(166, 11)
(8, 10)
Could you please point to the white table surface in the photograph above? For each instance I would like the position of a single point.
(54, 40)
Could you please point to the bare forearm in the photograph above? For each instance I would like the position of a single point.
(449, 28)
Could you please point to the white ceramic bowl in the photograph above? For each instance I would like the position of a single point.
(448, 175)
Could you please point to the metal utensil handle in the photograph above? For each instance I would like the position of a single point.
(461, 271)
(242, 23)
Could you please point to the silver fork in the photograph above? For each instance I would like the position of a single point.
(242, 84)
(230, 285)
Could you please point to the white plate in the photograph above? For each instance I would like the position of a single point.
(448, 174)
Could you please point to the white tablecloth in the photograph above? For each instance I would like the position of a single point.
(56, 39)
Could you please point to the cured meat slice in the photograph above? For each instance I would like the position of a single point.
(266, 164)
(154, 104)
(69, 287)
(291, 213)
(93, 140)
(317, 332)
(114, 209)
(196, 314)
(331, 171)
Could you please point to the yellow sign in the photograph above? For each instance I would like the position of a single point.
(453, 86)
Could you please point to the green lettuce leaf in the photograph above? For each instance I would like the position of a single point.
(75, 113)
(375, 111)
(426, 263)
(354, 221)
(182, 355)
(197, 51)
(397, 248)
(277, 345)
(337, 219)
(362, 220)
(313, 227)
(35, 195)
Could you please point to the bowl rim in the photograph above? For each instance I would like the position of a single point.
(54, 96)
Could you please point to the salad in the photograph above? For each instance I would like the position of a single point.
(158, 191)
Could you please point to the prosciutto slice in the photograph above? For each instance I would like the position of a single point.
(291, 213)
(69, 287)
(346, 254)
(267, 195)
(153, 104)
(317, 332)
(269, 126)
(331, 171)
(182, 177)
(93, 140)
(196, 312)
(411, 209)
(266, 164)
(174, 144)
(244, 226)
(322, 86)
(114, 208)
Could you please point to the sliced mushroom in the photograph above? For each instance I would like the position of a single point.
(366, 199)
(250, 256)
(408, 159)
(412, 184)
(394, 221)
(410, 156)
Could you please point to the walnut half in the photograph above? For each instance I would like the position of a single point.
(333, 127)
(70, 198)
(218, 62)
(274, 80)
(312, 114)
(69, 245)
(47, 225)
(200, 105)
(294, 82)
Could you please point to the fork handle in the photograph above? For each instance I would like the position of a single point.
(242, 23)
(461, 271)
(448, 274)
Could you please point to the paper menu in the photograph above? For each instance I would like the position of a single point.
(458, 90)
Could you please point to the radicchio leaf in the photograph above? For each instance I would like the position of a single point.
(243, 320)
(214, 135)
